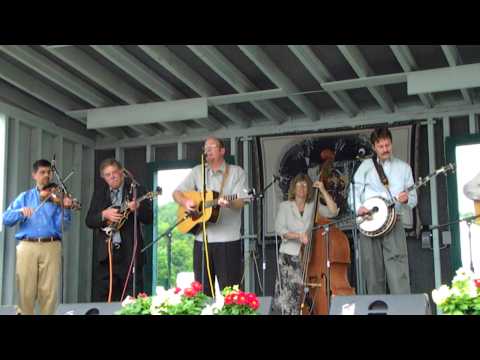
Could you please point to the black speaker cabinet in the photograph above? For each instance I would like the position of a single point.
(112, 308)
(414, 304)
(89, 308)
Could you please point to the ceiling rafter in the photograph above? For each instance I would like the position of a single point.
(83, 63)
(166, 58)
(236, 79)
(359, 64)
(454, 59)
(148, 78)
(320, 72)
(406, 60)
(268, 67)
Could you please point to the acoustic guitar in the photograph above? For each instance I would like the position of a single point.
(192, 221)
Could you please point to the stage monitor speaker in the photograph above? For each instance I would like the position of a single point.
(265, 305)
(98, 308)
(414, 304)
(112, 308)
(8, 310)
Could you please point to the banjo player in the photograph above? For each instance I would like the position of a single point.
(384, 258)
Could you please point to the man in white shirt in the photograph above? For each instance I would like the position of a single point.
(385, 259)
(224, 244)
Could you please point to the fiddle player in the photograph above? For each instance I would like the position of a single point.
(294, 225)
(39, 246)
(115, 191)
(385, 258)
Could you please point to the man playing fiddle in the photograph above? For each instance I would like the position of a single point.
(38, 242)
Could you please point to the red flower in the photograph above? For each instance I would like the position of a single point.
(254, 304)
(241, 299)
(228, 299)
(142, 295)
(196, 286)
(177, 290)
(477, 282)
(189, 292)
(250, 297)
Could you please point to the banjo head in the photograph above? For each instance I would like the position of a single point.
(379, 218)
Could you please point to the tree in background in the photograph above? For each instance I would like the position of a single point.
(182, 246)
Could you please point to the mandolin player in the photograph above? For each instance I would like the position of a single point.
(103, 210)
(384, 258)
(224, 245)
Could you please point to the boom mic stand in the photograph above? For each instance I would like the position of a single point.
(63, 192)
(133, 188)
(169, 234)
(358, 263)
(469, 221)
(260, 197)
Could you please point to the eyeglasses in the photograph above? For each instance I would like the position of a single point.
(210, 147)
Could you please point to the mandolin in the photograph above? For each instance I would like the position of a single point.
(125, 211)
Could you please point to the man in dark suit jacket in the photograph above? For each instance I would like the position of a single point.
(117, 188)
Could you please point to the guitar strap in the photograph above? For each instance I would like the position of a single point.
(380, 172)
(224, 179)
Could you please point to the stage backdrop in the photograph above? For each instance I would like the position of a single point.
(289, 155)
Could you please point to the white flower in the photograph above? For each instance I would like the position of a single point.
(456, 291)
(128, 300)
(439, 296)
(207, 310)
(462, 274)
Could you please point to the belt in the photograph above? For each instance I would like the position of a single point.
(40, 239)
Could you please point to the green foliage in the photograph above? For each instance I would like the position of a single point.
(182, 246)
(189, 305)
(141, 306)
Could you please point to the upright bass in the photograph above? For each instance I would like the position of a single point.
(326, 257)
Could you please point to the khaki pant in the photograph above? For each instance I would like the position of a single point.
(385, 259)
(38, 274)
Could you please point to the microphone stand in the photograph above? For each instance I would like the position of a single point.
(169, 234)
(469, 221)
(260, 197)
(204, 195)
(133, 187)
(62, 226)
(358, 264)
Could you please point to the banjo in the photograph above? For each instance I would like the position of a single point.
(382, 214)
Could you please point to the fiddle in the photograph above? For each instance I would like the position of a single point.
(52, 192)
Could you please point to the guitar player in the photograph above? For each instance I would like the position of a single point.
(224, 245)
(384, 258)
(115, 190)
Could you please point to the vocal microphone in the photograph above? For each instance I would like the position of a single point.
(53, 160)
(362, 154)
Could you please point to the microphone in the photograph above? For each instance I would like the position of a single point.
(129, 175)
(53, 160)
(362, 154)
